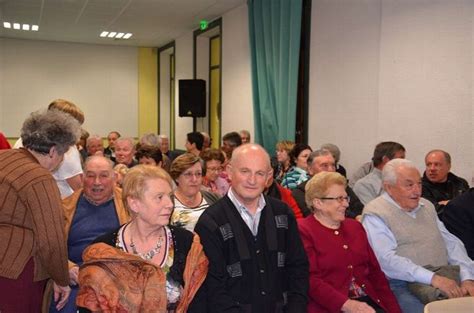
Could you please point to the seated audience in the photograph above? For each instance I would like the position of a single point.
(323, 161)
(194, 143)
(94, 145)
(344, 275)
(125, 152)
(439, 184)
(150, 155)
(423, 261)
(68, 175)
(164, 146)
(145, 265)
(370, 187)
(299, 166)
(149, 139)
(244, 136)
(81, 144)
(256, 259)
(110, 150)
(336, 153)
(32, 245)
(189, 200)
(90, 212)
(274, 190)
(213, 164)
(458, 218)
(283, 149)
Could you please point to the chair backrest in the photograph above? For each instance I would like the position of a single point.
(457, 305)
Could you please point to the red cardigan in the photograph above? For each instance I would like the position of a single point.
(287, 197)
(334, 257)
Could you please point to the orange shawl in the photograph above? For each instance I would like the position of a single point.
(114, 281)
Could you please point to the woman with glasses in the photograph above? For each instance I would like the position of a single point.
(213, 165)
(189, 200)
(344, 273)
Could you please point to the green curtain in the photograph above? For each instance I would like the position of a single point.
(275, 30)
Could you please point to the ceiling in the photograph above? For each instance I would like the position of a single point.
(153, 23)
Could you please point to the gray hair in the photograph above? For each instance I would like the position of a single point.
(43, 130)
(161, 137)
(93, 137)
(389, 172)
(149, 139)
(336, 153)
(313, 155)
(99, 157)
(127, 139)
(447, 156)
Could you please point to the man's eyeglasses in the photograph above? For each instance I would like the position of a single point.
(340, 199)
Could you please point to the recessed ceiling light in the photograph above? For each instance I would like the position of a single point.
(16, 26)
(112, 34)
(127, 35)
(119, 35)
(34, 28)
(25, 27)
(7, 25)
(104, 34)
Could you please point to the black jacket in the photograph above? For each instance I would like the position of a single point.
(435, 192)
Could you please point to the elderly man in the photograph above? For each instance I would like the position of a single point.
(370, 187)
(125, 152)
(32, 248)
(257, 260)
(90, 212)
(110, 150)
(412, 246)
(94, 145)
(439, 184)
(323, 161)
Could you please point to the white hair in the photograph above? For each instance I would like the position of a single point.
(389, 172)
(91, 138)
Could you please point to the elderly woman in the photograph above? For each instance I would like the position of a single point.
(189, 200)
(145, 263)
(283, 149)
(213, 165)
(344, 273)
(299, 166)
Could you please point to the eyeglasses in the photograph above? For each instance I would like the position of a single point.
(340, 199)
(189, 175)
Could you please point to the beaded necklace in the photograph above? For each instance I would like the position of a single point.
(150, 254)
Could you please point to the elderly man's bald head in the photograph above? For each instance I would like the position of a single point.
(251, 150)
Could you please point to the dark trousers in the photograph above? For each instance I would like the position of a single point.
(22, 294)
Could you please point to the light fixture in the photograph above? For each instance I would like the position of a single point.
(115, 35)
(18, 26)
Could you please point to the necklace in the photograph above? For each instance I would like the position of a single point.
(150, 254)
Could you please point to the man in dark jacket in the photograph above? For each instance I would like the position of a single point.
(323, 161)
(439, 184)
(257, 262)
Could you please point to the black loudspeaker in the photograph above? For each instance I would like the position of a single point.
(192, 97)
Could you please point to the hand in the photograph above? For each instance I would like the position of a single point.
(444, 202)
(354, 306)
(467, 287)
(61, 295)
(73, 274)
(448, 286)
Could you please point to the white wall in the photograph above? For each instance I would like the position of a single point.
(101, 80)
(184, 70)
(237, 102)
(393, 70)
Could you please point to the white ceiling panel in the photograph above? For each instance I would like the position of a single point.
(152, 22)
